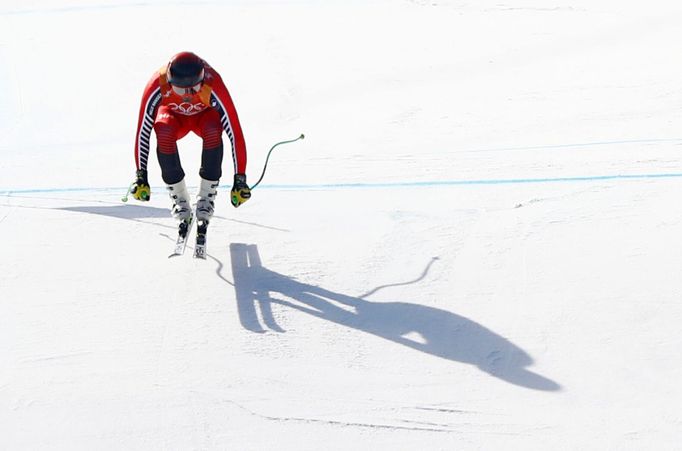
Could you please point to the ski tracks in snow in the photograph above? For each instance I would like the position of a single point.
(382, 415)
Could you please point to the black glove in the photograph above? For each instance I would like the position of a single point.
(140, 189)
(240, 190)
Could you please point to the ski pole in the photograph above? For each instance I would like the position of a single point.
(265, 166)
(125, 198)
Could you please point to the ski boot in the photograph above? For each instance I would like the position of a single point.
(182, 211)
(208, 190)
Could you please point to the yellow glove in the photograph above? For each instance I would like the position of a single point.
(140, 189)
(240, 190)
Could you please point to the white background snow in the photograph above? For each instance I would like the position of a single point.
(476, 247)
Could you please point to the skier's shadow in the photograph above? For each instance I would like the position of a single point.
(439, 332)
(133, 212)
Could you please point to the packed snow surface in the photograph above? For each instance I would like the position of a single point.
(477, 246)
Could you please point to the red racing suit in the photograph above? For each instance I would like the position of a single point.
(212, 98)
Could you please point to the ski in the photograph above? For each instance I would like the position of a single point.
(200, 245)
(183, 233)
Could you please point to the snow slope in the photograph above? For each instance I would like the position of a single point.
(476, 246)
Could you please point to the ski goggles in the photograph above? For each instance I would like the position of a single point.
(187, 90)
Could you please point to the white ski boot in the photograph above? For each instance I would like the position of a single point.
(208, 190)
(181, 209)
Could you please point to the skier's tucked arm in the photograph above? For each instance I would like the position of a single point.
(222, 101)
(151, 99)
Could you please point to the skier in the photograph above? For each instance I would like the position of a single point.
(189, 95)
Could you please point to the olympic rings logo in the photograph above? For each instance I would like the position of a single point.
(187, 108)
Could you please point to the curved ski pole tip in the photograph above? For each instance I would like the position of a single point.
(268, 158)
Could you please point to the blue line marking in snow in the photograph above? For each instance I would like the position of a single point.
(361, 185)
(475, 182)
